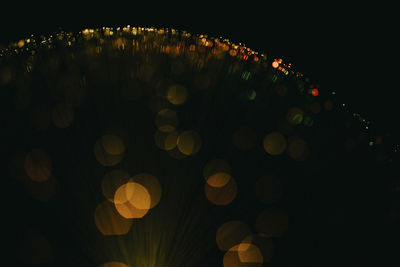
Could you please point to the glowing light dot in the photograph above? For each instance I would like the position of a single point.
(275, 64)
(274, 143)
(21, 43)
(251, 95)
(314, 92)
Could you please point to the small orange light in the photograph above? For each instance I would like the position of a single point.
(314, 92)
(275, 64)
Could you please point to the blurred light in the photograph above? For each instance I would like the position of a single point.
(219, 179)
(371, 143)
(38, 165)
(109, 222)
(246, 75)
(21, 43)
(189, 142)
(112, 180)
(275, 64)
(114, 264)
(314, 92)
(298, 149)
(166, 120)
(216, 166)
(251, 95)
(132, 200)
(308, 121)
(231, 233)
(103, 157)
(166, 141)
(112, 144)
(274, 143)
(151, 184)
(177, 94)
(249, 253)
(119, 43)
(294, 115)
(232, 259)
(264, 245)
(221, 196)
(176, 153)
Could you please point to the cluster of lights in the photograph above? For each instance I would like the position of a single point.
(220, 186)
(217, 46)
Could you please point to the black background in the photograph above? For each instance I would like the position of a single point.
(349, 49)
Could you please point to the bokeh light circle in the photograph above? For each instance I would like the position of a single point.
(109, 222)
(189, 142)
(166, 120)
(152, 185)
(132, 200)
(38, 165)
(221, 196)
(298, 149)
(176, 94)
(231, 233)
(111, 181)
(274, 143)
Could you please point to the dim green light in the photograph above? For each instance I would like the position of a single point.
(308, 121)
(252, 95)
(246, 75)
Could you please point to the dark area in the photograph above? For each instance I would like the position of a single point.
(348, 212)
